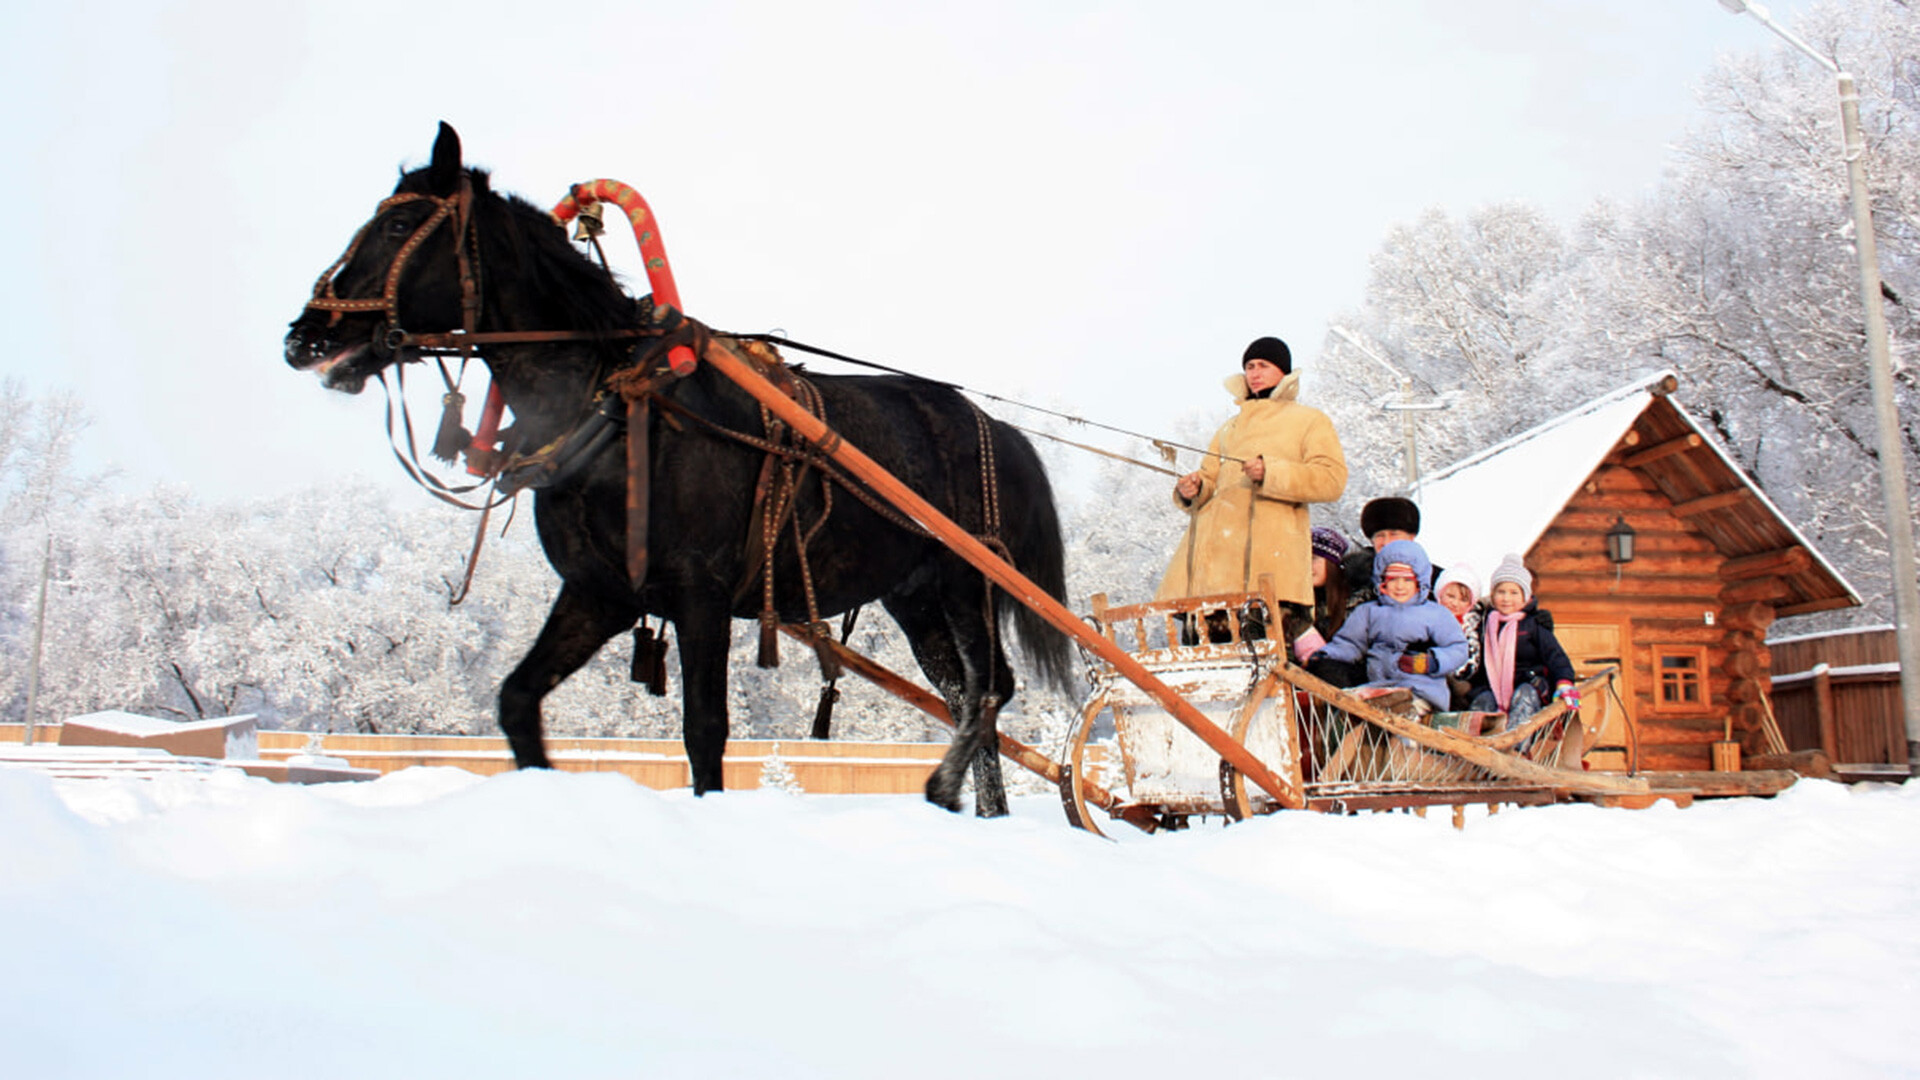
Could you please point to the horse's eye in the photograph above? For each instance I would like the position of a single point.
(398, 227)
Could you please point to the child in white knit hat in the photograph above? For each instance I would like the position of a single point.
(1458, 590)
(1519, 656)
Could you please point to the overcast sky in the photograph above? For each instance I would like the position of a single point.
(1087, 205)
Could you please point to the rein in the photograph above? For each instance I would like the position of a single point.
(1165, 447)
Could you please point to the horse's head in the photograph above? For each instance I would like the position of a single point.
(403, 273)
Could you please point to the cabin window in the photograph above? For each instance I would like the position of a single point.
(1680, 679)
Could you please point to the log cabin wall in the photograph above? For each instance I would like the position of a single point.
(1685, 671)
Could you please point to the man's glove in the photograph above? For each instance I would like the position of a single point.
(1568, 693)
(1421, 663)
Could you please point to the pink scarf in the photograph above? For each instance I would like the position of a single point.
(1502, 632)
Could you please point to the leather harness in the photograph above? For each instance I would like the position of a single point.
(638, 387)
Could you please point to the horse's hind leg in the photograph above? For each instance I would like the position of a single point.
(578, 625)
(704, 631)
(965, 665)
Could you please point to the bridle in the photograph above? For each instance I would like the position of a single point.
(458, 208)
(636, 387)
(390, 337)
(391, 340)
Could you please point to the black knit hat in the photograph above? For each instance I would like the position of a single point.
(1273, 351)
(1389, 513)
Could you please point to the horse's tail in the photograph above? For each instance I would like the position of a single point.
(1030, 528)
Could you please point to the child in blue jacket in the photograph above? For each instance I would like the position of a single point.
(1407, 638)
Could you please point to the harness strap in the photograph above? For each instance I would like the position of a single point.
(639, 476)
(459, 592)
(420, 476)
(830, 671)
(990, 516)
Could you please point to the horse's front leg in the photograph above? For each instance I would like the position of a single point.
(703, 630)
(580, 622)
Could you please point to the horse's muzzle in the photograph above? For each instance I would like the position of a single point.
(303, 351)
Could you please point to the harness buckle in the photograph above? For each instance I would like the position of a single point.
(386, 340)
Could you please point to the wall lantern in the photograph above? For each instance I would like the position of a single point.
(1620, 541)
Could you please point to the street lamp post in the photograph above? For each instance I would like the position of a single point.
(1893, 471)
(1406, 408)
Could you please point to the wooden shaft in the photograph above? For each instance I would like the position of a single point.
(962, 543)
(927, 702)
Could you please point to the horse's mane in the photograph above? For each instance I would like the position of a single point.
(524, 240)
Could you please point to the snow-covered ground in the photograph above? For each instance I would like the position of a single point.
(433, 923)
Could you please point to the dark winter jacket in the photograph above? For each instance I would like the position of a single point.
(1537, 655)
(1382, 630)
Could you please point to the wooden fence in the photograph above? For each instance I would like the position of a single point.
(824, 768)
(1839, 692)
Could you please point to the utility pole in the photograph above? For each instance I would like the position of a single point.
(39, 634)
(1406, 408)
(1893, 467)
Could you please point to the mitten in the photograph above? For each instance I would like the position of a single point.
(1418, 663)
(1566, 692)
(1308, 643)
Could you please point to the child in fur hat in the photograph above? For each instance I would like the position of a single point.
(1519, 656)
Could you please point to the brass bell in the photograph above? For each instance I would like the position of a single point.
(591, 221)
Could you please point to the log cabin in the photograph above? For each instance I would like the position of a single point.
(1713, 563)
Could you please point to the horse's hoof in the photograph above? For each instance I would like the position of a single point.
(948, 800)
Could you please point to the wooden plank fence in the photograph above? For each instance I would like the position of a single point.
(1839, 692)
(825, 768)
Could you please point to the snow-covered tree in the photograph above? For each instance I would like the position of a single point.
(1741, 274)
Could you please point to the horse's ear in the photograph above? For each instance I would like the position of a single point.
(444, 174)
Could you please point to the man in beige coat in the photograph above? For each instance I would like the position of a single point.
(1248, 500)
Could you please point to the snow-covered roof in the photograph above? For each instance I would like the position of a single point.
(1844, 631)
(144, 727)
(1504, 498)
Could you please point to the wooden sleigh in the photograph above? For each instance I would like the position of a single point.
(1335, 751)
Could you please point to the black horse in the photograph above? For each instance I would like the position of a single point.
(700, 574)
